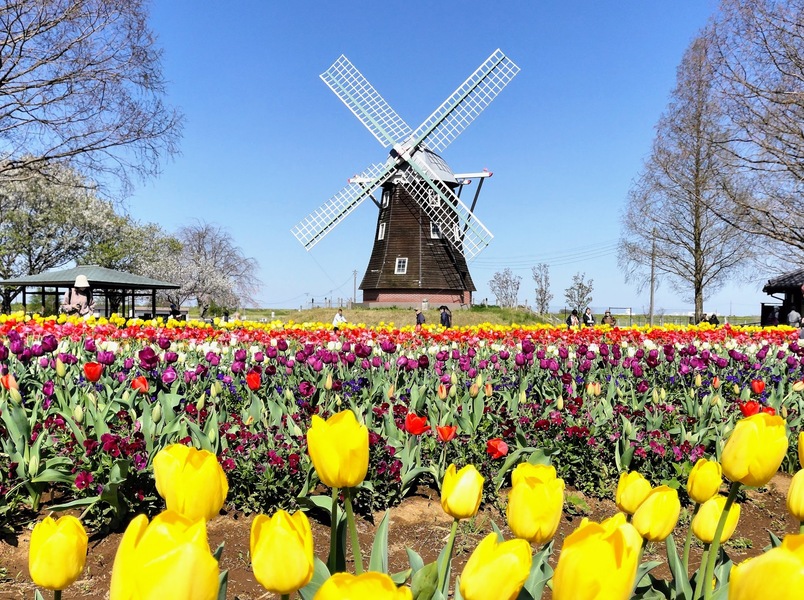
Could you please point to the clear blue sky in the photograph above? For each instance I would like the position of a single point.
(266, 142)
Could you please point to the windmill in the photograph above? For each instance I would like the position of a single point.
(425, 234)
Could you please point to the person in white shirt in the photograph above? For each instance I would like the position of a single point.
(338, 320)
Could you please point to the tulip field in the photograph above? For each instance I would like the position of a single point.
(152, 428)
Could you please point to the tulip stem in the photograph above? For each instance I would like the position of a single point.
(56, 594)
(713, 551)
(350, 520)
(801, 527)
(285, 596)
(332, 562)
(685, 557)
(442, 572)
(699, 585)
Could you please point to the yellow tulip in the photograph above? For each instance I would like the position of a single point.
(801, 449)
(191, 481)
(368, 586)
(496, 569)
(795, 496)
(541, 473)
(704, 480)
(535, 503)
(166, 558)
(657, 516)
(461, 491)
(632, 489)
(755, 449)
(777, 574)
(598, 560)
(282, 551)
(339, 449)
(57, 552)
(706, 519)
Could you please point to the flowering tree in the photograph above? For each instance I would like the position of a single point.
(579, 294)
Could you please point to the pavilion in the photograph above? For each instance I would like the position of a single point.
(791, 287)
(119, 289)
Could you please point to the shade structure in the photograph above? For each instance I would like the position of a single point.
(116, 287)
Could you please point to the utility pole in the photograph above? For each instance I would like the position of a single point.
(652, 275)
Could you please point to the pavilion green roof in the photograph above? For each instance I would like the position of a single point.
(99, 277)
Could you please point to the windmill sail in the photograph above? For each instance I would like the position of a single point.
(365, 102)
(312, 229)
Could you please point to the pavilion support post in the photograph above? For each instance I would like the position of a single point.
(153, 303)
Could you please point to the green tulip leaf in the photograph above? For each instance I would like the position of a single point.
(681, 580)
(401, 577)
(223, 583)
(379, 549)
(320, 575)
(424, 582)
(415, 561)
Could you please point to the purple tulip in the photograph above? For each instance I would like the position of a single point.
(128, 364)
(148, 358)
(171, 357)
(105, 358)
(423, 361)
(48, 388)
(642, 386)
(281, 345)
(528, 347)
(306, 389)
(238, 366)
(43, 362)
(240, 355)
(50, 343)
(169, 376)
(89, 345)
(16, 346)
(163, 343)
(3, 352)
(271, 352)
(212, 358)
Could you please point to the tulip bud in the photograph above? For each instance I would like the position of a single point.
(78, 413)
(716, 382)
(126, 395)
(798, 386)
(560, 403)
(523, 397)
(795, 496)
(705, 520)
(338, 400)
(632, 490)
(391, 391)
(474, 390)
(213, 389)
(655, 395)
(339, 449)
(92, 399)
(663, 394)
(191, 481)
(453, 379)
(783, 412)
(453, 391)
(33, 465)
(488, 390)
(535, 503)
(328, 382)
(57, 552)
(755, 449)
(156, 413)
(698, 380)
(290, 537)
(289, 394)
(479, 380)
(496, 569)
(61, 369)
(715, 401)
(620, 392)
(736, 389)
(461, 491)
(15, 395)
(199, 404)
(658, 514)
(442, 391)
(704, 480)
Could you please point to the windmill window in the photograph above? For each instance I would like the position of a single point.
(432, 198)
(381, 232)
(435, 232)
(386, 198)
(401, 266)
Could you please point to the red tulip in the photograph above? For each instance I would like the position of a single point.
(446, 432)
(140, 384)
(496, 448)
(757, 386)
(9, 381)
(751, 407)
(93, 371)
(416, 425)
(769, 410)
(253, 380)
(716, 382)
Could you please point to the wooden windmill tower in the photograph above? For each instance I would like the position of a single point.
(425, 234)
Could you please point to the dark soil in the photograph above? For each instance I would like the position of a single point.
(418, 523)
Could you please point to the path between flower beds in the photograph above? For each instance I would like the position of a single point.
(418, 523)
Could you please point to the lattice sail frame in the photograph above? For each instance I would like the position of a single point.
(437, 132)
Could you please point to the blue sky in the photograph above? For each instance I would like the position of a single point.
(266, 142)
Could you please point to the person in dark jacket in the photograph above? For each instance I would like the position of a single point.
(588, 318)
(446, 317)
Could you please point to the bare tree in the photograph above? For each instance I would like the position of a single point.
(759, 61)
(81, 81)
(671, 228)
(541, 277)
(210, 268)
(579, 294)
(505, 286)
